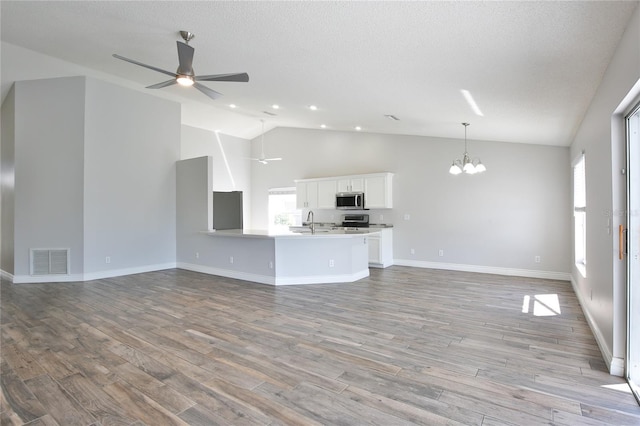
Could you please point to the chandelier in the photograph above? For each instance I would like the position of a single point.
(467, 164)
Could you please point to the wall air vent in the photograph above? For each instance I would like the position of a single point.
(49, 262)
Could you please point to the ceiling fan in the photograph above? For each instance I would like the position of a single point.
(185, 76)
(262, 159)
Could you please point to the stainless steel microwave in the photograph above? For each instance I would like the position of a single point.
(350, 201)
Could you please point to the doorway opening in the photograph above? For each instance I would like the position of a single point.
(632, 362)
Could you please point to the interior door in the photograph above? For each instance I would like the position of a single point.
(633, 276)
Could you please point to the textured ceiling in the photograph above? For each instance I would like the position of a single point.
(532, 67)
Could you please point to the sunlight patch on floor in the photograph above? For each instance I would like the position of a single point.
(620, 387)
(541, 305)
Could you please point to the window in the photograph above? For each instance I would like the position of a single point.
(282, 209)
(580, 214)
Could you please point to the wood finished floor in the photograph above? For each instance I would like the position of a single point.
(404, 346)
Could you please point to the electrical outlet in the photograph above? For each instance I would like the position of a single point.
(331, 263)
(537, 259)
(440, 252)
(107, 259)
(197, 255)
(270, 265)
(230, 259)
(381, 218)
(407, 216)
(413, 251)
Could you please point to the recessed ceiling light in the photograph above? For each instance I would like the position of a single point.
(275, 106)
(313, 107)
(233, 106)
(323, 126)
(358, 128)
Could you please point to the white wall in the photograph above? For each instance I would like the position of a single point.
(231, 168)
(132, 141)
(95, 173)
(7, 193)
(193, 207)
(49, 161)
(494, 222)
(601, 137)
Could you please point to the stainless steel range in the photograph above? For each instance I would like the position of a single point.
(355, 220)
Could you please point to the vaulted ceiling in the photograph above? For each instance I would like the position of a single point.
(532, 68)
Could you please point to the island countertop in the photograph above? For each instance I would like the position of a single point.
(263, 233)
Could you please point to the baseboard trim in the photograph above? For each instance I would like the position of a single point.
(615, 365)
(529, 273)
(272, 280)
(227, 273)
(91, 276)
(128, 271)
(324, 279)
(6, 276)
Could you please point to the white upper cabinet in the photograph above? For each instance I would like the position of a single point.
(351, 184)
(327, 194)
(321, 193)
(378, 191)
(307, 194)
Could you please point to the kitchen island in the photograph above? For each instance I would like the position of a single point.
(285, 258)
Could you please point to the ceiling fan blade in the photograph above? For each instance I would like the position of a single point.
(163, 84)
(172, 74)
(238, 77)
(185, 58)
(209, 92)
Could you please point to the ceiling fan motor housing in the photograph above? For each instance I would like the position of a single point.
(187, 36)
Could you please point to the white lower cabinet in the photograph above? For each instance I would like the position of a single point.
(381, 249)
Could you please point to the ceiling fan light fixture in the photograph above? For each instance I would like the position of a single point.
(184, 75)
(185, 80)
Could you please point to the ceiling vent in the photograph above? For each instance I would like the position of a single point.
(49, 261)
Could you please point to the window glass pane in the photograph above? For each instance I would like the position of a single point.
(579, 188)
(282, 210)
(580, 214)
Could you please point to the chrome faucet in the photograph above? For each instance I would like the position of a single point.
(313, 225)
